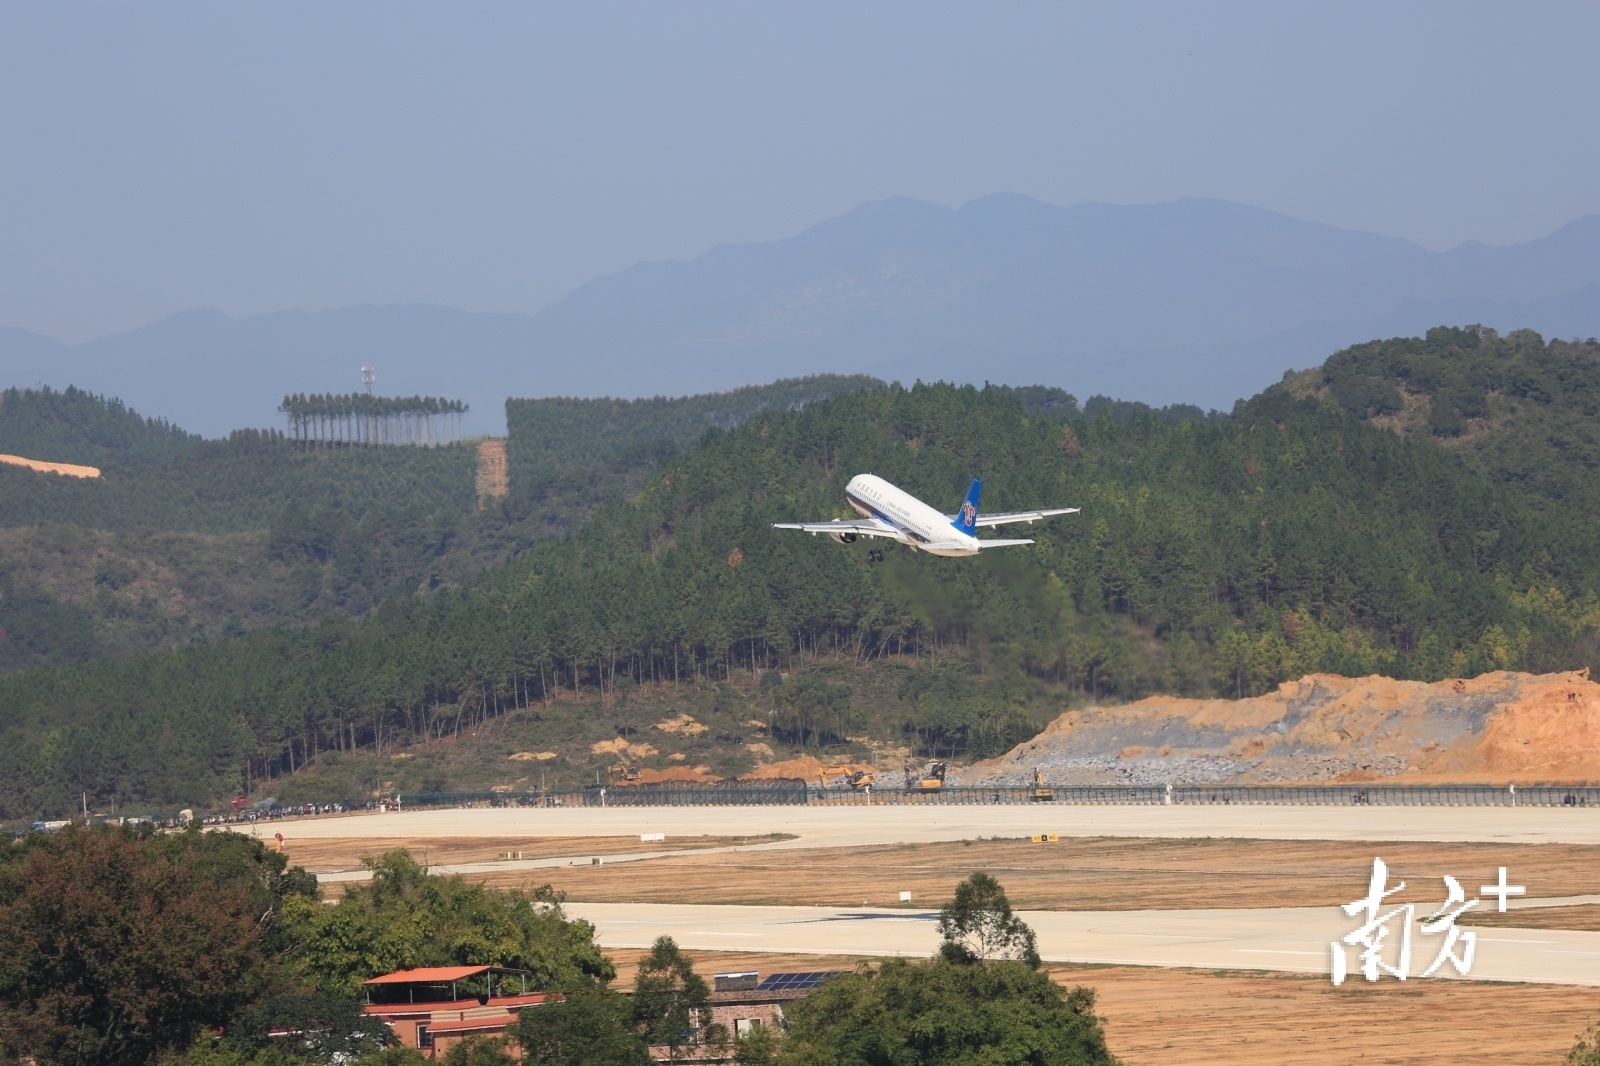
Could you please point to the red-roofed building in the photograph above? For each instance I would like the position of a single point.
(434, 1007)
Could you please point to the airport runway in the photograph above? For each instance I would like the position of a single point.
(816, 827)
(1290, 939)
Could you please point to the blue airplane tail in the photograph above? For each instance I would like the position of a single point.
(967, 518)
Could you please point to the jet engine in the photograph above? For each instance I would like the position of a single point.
(844, 538)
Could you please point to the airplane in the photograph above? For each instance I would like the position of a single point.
(897, 515)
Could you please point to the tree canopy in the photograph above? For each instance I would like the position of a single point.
(1212, 557)
(562, 431)
(405, 918)
(938, 1013)
(116, 945)
(977, 925)
(1517, 408)
(74, 426)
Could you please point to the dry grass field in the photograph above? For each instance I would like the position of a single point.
(1584, 917)
(1171, 1017)
(1081, 873)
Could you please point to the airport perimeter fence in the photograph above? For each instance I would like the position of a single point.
(800, 793)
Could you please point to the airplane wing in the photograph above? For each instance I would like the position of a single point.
(1018, 516)
(966, 548)
(861, 527)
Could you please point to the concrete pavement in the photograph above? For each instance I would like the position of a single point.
(1287, 939)
(847, 826)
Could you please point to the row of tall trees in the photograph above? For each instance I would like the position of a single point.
(1215, 557)
(359, 418)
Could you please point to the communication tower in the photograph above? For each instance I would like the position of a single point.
(368, 376)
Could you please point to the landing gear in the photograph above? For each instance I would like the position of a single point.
(875, 555)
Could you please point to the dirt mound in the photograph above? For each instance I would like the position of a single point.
(804, 767)
(619, 746)
(1500, 727)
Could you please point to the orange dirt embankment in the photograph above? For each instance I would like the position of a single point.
(68, 469)
(696, 774)
(1501, 727)
(804, 767)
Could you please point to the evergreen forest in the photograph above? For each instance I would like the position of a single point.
(1213, 556)
(183, 539)
(1519, 410)
(74, 426)
(560, 432)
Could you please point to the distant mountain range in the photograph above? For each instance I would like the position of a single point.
(1199, 301)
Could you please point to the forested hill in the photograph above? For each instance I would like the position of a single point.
(1520, 410)
(563, 431)
(1218, 556)
(186, 539)
(74, 426)
(217, 537)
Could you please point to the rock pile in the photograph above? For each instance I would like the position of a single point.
(1500, 727)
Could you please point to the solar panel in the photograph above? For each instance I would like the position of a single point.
(796, 982)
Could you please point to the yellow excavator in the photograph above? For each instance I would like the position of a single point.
(623, 772)
(925, 779)
(852, 777)
(1042, 792)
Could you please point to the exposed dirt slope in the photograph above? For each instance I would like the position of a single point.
(1500, 727)
(803, 767)
(69, 469)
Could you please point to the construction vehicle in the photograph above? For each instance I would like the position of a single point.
(852, 777)
(925, 779)
(623, 772)
(1041, 792)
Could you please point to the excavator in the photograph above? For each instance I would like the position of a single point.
(925, 779)
(1041, 792)
(623, 772)
(853, 778)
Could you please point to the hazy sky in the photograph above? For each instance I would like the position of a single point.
(155, 158)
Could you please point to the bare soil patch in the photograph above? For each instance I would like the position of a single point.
(1157, 1017)
(1078, 873)
(334, 855)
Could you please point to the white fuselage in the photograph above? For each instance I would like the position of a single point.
(916, 524)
